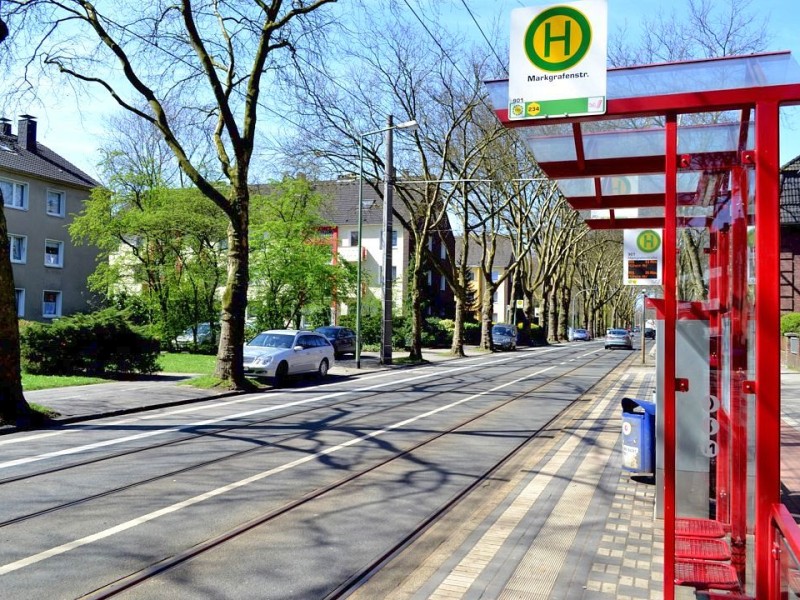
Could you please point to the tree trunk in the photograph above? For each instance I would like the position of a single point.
(229, 365)
(486, 318)
(457, 347)
(13, 408)
(415, 349)
(563, 314)
(552, 317)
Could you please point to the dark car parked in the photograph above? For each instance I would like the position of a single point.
(342, 338)
(504, 337)
(649, 333)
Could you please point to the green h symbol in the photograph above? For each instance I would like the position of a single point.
(548, 38)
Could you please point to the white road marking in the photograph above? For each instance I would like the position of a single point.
(148, 434)
(199, 408)
(106, 533)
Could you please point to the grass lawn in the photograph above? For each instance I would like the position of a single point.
(183, 362)
(196, 364)
(43, 382)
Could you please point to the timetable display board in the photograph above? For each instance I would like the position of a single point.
(642, 257)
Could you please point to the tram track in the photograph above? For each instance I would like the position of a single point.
(266, 446)
(194, 435)
(176, 560)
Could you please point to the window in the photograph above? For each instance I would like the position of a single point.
(495, 275)
(394, 238)
(15, 195)
(442, 284)
(51, 304)
(394, 272)
(55, 203)
(354, 238)
(18, 248)
(429, 275)
(19, 301)
(53, 253)
(442, 251)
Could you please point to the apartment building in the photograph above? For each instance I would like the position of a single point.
(41, 191)
(341, 210)
(501, 299)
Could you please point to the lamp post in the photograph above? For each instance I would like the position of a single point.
(574, 301)
(387, 226)
(641, 330)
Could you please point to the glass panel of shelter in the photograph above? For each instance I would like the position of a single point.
(715, 347)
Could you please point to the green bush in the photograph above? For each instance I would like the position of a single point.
(790, 323)
(472, 333)
(537, 335)
(370, 327)
(94, 344)
(437, 333)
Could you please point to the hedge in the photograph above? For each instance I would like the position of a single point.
(790, 323)
(95, 344)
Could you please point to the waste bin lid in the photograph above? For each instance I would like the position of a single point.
(630, 405)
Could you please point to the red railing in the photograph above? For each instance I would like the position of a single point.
(784, 576)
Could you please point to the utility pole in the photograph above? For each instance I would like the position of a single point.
(388, 178)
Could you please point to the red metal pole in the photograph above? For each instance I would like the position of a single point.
(740, 316)
(767, 314)
(724, 438)
(670, 313)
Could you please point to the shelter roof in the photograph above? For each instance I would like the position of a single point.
(614, 163)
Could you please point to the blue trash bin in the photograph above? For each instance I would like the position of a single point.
(638, 435)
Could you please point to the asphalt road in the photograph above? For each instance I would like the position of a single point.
(91, 504)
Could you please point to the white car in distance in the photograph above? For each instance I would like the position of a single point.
(278, 353)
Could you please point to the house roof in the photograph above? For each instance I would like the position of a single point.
(503, 256)
(42, 164)
(340, 205)
(790, 193)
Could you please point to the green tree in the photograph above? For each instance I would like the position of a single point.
(210, 59)
(291, 268)
(160, 244)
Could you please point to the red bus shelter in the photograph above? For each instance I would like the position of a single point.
(693, 147)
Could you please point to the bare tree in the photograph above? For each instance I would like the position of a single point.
(411, 81)
(705, 29)
(13, 408)
(209, 59)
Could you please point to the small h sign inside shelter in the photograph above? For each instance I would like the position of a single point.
(642, 257)
(557, 64)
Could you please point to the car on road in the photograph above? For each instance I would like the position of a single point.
(205, 335)
(618, 338)
(504, 337)
(649, 333)
(278, 353)
(342, 338)
(581, 335)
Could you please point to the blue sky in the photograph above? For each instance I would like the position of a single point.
(78, 134)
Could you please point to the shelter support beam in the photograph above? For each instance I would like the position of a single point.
(768, 422)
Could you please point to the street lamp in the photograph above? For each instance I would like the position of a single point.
(641, 330)
(574, 301)
(386, 327)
